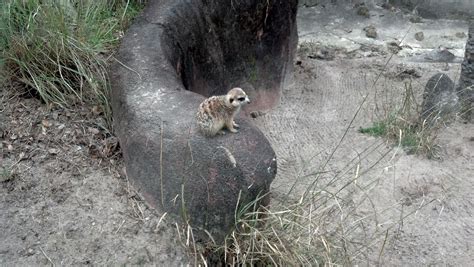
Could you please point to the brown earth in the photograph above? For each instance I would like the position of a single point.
(64, 199)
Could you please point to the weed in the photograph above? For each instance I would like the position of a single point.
(378, 129)
(7, 174)
(58, 50)
(403, 126)
(318, 226)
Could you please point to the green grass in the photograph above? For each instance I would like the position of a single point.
(6, 174)
(377, 129)
(59, 49)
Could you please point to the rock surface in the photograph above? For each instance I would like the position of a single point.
(440, 101)
(466, 81)
(370, 31)
(173, 55)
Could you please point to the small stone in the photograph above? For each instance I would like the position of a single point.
(93, 130)
(461, 35)
(393, 47)
(46, 123)
(323, 54)
(30, 252)
(363, 11)
(419, 36)
(388, 6)
(415, 19)
(370, 32)
(53, 151)
(96, 110)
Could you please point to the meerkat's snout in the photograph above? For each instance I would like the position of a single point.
(243, 100)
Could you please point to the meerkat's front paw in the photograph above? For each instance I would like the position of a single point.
(233, 131)
(235, 124)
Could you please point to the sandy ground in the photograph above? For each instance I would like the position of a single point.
(64, 199)
(429, 203)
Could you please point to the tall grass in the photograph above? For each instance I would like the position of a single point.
(333, 222)
(58, 49)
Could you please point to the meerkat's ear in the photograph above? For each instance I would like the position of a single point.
(231, 99)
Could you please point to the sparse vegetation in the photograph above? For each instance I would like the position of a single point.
(58, 49)
(402, 126)
(319, 224)
(321, 228)
(5, 174)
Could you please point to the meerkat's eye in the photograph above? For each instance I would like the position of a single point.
(241, 99)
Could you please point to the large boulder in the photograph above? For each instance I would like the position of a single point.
(174, 55)
(466, 81)
(440, 100)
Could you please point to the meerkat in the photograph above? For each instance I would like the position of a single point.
(217, 112)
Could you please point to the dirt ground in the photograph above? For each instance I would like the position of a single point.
(65, 199)
(313, 118)
(428, 202)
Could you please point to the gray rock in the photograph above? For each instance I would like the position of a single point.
(416, 19)
(440, 55)
(460, 35)
(440, 101)
(419, 36)
(394, 47)
(363, 11)
(370, 32)
(174, 55)
(465, 88)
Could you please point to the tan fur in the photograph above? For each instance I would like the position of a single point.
(218, 112)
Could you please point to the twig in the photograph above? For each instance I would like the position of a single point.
(120, 226)
(46, 256)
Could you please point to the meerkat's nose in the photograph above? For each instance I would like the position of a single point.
(248, 100)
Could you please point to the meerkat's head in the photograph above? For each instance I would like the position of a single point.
(237, 97)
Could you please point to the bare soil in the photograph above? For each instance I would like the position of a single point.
(64, 198)
(426, 204)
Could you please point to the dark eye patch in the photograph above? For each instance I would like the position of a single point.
(241, 99)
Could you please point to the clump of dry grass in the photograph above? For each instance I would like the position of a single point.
(404, 126)
(332, 221)
(58, 50)
(324, 227)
